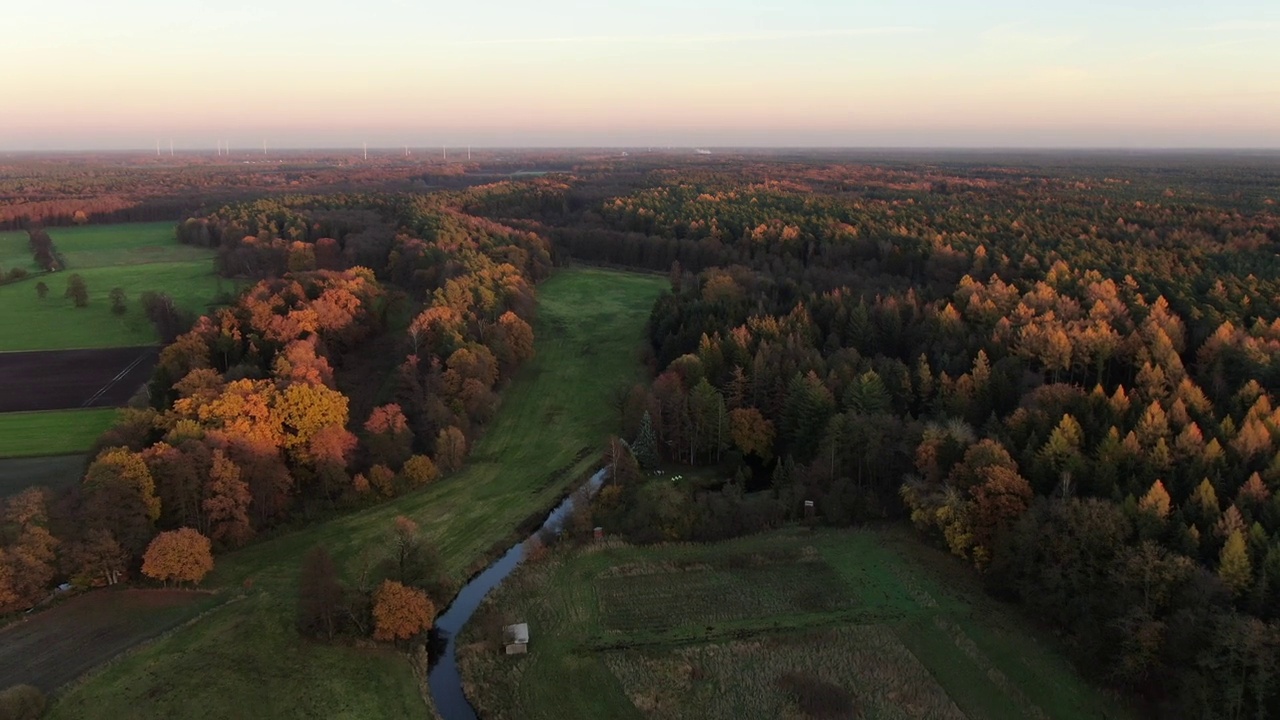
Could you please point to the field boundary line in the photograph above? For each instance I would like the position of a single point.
(81, 348)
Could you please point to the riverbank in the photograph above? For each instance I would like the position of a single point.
(587, 336)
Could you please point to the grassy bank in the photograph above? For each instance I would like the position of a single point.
(52, 471)
(135, 256)
(246, 659)
(760, 627)
(52, 432)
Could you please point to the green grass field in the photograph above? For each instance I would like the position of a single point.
(246, 660)
(52, 432)
(136, 256)
(715, 631)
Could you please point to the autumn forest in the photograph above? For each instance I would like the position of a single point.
(1064, 371)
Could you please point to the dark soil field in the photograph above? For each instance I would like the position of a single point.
(53, 647)
(62, 379)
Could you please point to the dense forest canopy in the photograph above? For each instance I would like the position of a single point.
(1066, 376)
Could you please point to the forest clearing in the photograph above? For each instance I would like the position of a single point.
(588, 332)
(766, 626)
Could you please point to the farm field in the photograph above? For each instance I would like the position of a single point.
(55, 646)
(136, 257)
(784, 624)
(54, 432)
(552, 422)
(70, 379)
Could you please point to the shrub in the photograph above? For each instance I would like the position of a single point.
(21, 702)
(818, 698)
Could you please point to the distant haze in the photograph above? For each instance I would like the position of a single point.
(85, 74)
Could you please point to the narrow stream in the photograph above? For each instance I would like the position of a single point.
(443, 678)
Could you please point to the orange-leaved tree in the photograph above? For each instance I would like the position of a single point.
(181, 555)
(400, 611)
(388, 437)
(419, 471)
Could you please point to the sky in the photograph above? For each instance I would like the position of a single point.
(87, 74)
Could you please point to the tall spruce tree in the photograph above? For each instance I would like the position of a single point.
(646, 445)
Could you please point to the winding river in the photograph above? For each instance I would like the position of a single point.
(443, 678)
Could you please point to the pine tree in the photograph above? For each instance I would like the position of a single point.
(1234, 568)
(646, 445)
(867, 395)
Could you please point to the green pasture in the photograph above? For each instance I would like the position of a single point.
(136, 257)
(246, 659)
(713, 631)
(51, 432)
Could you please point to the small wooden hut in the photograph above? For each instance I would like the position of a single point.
(516, 638)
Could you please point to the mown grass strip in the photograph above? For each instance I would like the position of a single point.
(52, 432)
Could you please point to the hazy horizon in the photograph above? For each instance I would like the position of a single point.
(921, 74)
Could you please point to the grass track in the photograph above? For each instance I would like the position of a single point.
(245, 659)
(134, 256)
(52, 432)
(975, 651)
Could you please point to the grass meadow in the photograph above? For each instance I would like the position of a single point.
(788, 624)
(52, 432)
(135, 256)
(246, 660)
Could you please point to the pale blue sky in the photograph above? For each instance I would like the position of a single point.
(86, 74)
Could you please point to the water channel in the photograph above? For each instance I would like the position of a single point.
(443, 678)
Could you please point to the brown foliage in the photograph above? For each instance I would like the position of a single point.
(182, 555)
(751, 432)
(226, 502)
(400, 612)
(383, 479)
(818, 698)
(120, 496)
(419, 471)
(97, 559)
(387, 436)
(21, 702)
(451, 449)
